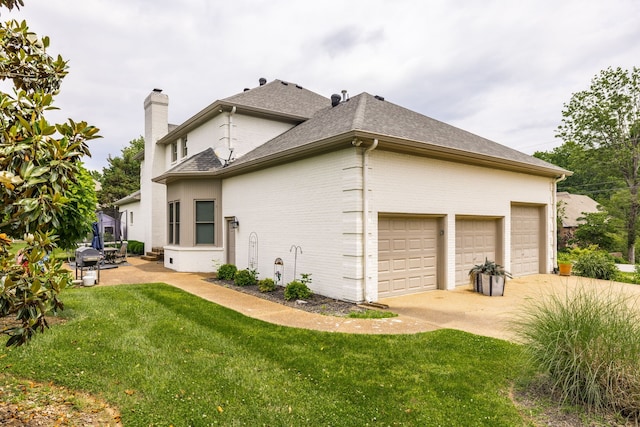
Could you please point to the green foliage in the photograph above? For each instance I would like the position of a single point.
(594, 263)
(181, 357)
(245, 277)
(597, 229)
(40, 177)
(30, 286)
(588, 344)
(297, 290)
(266, 285)
(79, 212)
(122, 176)
(135, 247)
(605, 120)
(371, 314)
(227, 271)
(489, 267)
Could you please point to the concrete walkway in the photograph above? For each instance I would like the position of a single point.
(457, 309)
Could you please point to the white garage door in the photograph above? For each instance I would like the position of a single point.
(476, 240)
(407, 255)
(525, 240)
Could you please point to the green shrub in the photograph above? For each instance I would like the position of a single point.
(588, 344)
(245, 277)
(297, 290)
(266, 285)
(596, 264)
(227, 271)
(135, 247)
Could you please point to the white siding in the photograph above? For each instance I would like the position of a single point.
(414, 185)
(312, 204)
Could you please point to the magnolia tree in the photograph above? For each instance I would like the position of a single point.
(39, 162)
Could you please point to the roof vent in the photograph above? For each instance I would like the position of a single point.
(345, 95)
(285, 83)
(246, 89)
(335, 99)
(262, 81)
(379, 98)
(157, 90)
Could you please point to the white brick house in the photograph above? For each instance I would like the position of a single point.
(372, 199)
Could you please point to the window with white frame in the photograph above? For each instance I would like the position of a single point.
(174, 152)
(205, 222)
(184, 146)
(174, 223)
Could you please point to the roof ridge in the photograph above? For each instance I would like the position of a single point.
(359, 115)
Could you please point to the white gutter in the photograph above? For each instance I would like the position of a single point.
(555, 216)
(365, 221)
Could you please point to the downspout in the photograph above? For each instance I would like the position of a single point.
(230, 130)
(555, 206)
(365, 219)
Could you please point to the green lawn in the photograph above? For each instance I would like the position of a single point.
(164, 357)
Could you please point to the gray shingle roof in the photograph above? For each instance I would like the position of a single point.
(372, 115)
(204, 161)
(280, 97)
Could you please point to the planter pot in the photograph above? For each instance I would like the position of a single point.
(492, 285)
(565, 269)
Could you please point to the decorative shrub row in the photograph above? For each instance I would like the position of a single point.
(135, 247)
(294, 290)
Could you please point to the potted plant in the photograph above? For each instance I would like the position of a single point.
(489, 278)
(565, 264)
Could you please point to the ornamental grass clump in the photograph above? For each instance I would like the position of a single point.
(589, 345)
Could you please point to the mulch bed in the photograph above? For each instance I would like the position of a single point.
(316, 304)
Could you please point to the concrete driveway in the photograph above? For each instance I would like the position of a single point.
(492, 316)
(457, 309)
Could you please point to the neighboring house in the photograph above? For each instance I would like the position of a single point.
(129, 208)
(370, 198)
(572, 209)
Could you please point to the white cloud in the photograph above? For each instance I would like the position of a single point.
(497, 68)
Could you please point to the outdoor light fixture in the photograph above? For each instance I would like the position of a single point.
(235, 223)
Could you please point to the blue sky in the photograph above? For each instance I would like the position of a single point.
(500, 69)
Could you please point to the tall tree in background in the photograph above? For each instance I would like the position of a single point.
(122, 176)
(606, 117)
(39, 162)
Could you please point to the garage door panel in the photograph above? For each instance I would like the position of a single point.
(476, 239)
(525, 240)
(412, 255)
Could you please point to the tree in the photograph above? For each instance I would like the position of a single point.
(39, 162)
(122, 176)
(606, 117)
(79, 212)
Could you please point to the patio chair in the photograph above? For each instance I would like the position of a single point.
(121, 255)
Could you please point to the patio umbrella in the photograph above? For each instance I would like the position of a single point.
(96, 243)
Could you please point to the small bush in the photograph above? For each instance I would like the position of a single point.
(596, 264)
(297, 290)
(588, 344)
(245, 277)
(135, 247)
(227, 271)
(266, 285)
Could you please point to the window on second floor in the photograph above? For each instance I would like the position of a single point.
(174, 152)
(184, 146)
